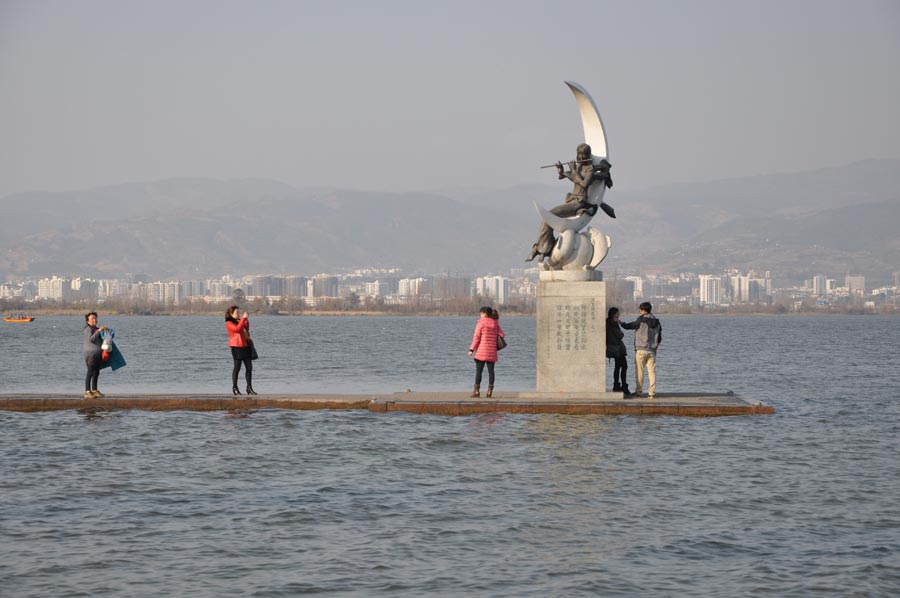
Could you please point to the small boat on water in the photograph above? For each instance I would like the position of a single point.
(18, 318)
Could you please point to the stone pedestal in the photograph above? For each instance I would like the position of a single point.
(571, 340)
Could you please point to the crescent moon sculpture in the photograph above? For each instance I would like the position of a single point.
(594, 136)
(594, 133)
(568, 249)
(560, 224)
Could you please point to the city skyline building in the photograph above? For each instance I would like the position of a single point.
(638, 286)
(377, 289)
(323, 285)
(731, 287)
(56, 287)
(819, 285)
(493, 287)
(451, 287)
(295, 286)
(856, 285)
(710, 290)
(413, 287)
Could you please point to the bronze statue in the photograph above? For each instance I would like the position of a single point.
(583, 173)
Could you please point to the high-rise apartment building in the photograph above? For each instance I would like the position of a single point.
(819, 285)
(625, 288)
(414, 287)
(193, 288)
(638, 286)
(323, 285)
(376, 289)
(266, 286)
(856, 285)
(295, 286)
(740, 289)
(57, 288)
(84, 288)
(172, 293)
(494, 287)
(710, 290)
(448, 287)
(219, 289)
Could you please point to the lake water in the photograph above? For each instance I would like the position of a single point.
(286, 503)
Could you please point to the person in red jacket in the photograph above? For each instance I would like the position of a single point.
(484, 349)
(239, 341)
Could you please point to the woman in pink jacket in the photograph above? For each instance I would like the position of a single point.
(484, 348)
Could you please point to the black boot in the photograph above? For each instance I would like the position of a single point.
(234, 390)
(250, 390)
(628, 393)
(617, 387)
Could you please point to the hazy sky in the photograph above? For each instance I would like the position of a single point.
(420, 95)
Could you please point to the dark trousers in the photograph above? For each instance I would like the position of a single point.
(90, 379)
(241, 355)
(620, 369)
(479, 368)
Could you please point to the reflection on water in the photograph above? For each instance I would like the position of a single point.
(483, 423)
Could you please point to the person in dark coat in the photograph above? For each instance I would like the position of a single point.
(615, 349)
(93, 355)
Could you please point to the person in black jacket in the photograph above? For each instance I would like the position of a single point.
(615, 349)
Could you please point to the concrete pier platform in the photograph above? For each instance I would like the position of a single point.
(678, 404)
(440, 403)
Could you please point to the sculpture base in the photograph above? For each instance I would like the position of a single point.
(571, 337)
(571, 275)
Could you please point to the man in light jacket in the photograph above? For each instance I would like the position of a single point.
(647, 336)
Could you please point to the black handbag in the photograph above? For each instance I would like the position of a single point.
(501, 342)
(253, 353)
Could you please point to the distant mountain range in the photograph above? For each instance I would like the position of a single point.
(797, 224)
